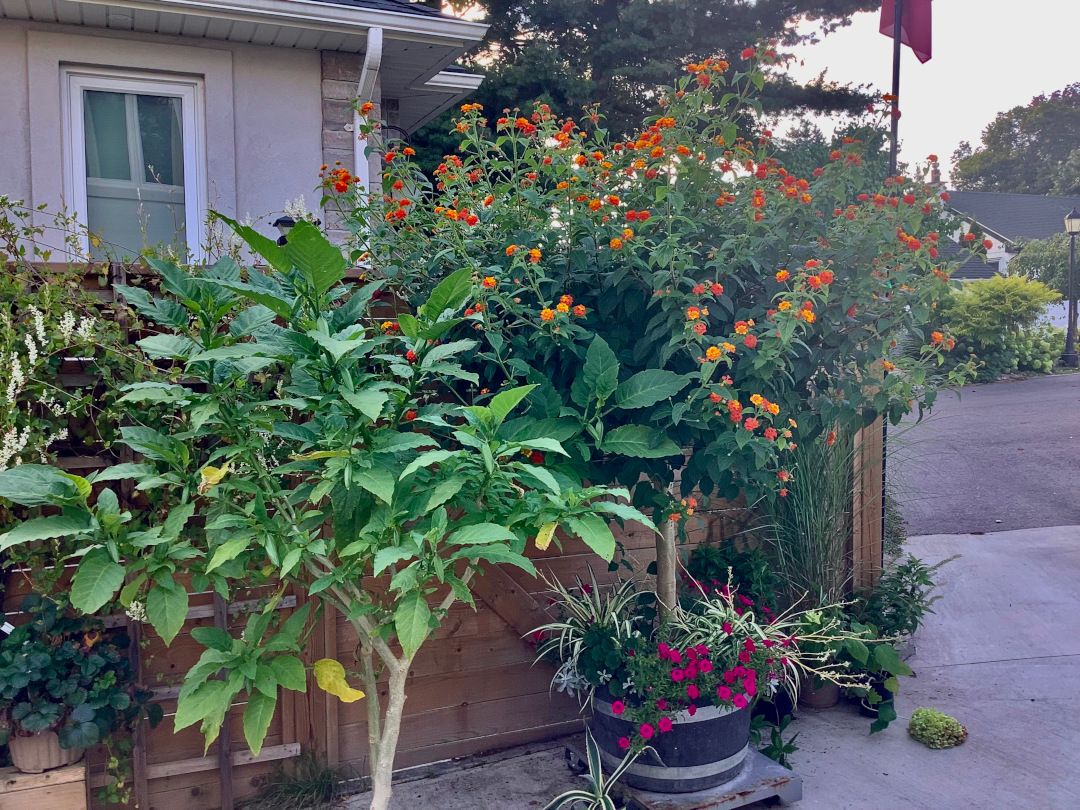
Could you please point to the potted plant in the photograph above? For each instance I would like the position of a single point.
(65, 685)
(683, 687)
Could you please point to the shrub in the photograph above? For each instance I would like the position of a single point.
(936, 729)
(984, 312)
(680, 300)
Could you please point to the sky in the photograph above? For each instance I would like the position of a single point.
(989, 56)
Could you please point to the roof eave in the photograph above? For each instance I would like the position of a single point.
(318, 16)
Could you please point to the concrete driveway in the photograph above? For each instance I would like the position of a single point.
(1001, 456)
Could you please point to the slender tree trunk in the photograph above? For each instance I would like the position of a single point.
(666, 556)
(382, 769)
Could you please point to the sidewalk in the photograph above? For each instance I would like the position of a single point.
(1002, 655)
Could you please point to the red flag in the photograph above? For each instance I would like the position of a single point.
(914, 25)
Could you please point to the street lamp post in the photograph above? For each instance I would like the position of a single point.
(1072, 228)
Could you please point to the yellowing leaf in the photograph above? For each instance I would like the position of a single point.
(543, 537)
(211, 476)
(330, 675)
(315, 454)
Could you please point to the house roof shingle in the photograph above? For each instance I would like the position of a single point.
(975, 266)
(1015, 216)
(397, 6)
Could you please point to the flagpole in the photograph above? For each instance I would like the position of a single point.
(894, 145)
(898, 12)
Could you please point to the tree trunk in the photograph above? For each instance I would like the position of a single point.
(382, 768)
(666, 590)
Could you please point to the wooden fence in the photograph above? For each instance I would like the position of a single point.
(473, 687)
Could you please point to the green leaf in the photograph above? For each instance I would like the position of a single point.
(547, 445)
(171, 346)
(290, 672)
(409, 326)
(379, 481)
(257, 716)
(385, 557)
(450, 293)
(228, 550)
(636, 441)
(411, 622)
(443, 492)
(481, 533)
(96, 581)
(427, 459)
(892, 684)
(119, 472)
(649, 387)
(444, 350)
(263, 246)
(886, 658)
(278, 304)
(37, 485)
(596, 533)
(166, 608)
(318, 260)
(213, 637)
(857, 649)
(601, 370)
(497, 554)
(177, 519)
(505, 401)
(369, 402)
(73, 521)
(209, 699)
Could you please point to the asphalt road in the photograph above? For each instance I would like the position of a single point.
(1002, 456)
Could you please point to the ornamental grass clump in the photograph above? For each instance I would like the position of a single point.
(681, 300)
(936, 729)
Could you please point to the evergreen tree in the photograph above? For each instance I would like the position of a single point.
(615, 53)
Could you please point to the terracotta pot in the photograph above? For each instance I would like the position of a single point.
(824, 697)
(42, 752)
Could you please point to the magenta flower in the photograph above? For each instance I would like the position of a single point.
(675, 656)
(749, 645)
(662, 650)
(750, 686)
(744, 656)
(740, 702)
(618, 707)
(647, 731)
(692, 692)
(723, 692)
(705, 666)
(730, 677)
(677, 674)
(665, 724)
(624, 743)
(702, 650)
(661, 704)
(691, 709)
(728, 628)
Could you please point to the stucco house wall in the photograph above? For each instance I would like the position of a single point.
(263, 112)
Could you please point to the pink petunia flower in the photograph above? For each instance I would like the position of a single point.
(723, 692)
(647, 731)
(740, 702)
(618, 707)
(665, 724)
(624, 743)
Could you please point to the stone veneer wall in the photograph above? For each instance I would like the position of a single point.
(340, 75)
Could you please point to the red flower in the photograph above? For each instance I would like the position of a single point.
(944, 196)
(716, 289)
(410, 355)
(909, 199)
(969, 237)
(750, 341)
(826, 276)
(988, 243)
(770, 433)
(748, 53)
(410, 415)
(751, 423)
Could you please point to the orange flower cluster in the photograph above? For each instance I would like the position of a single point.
(565, 307)
(339, 179)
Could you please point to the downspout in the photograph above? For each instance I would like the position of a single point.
(369, 74)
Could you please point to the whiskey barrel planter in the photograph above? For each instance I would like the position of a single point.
(699, 752)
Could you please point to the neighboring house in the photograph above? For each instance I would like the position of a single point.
(1006, 219)
(141, 115)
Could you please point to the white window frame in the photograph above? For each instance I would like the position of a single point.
(189, 89)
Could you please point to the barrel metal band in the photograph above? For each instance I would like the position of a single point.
(691, 772)
(702, 715)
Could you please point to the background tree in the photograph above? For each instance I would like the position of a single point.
(1045, 260)
(1030, 149)
(571, 53)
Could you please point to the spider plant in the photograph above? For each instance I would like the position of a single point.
(597, 796)
(593, 627)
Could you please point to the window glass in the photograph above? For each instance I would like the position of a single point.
(105, 125)
(161, 132)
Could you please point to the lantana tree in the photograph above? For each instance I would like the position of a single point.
(684, 305)
(305, 445)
